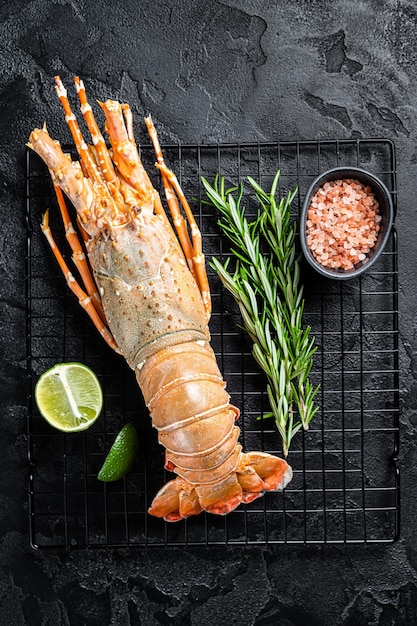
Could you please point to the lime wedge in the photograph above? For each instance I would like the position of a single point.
(121, 456)
(69, 396)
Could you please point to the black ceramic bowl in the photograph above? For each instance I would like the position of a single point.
(386, 210)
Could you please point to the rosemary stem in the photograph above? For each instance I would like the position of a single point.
(266, 286)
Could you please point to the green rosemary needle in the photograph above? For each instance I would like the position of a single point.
(265, 283)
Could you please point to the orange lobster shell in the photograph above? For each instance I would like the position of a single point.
(149, 297)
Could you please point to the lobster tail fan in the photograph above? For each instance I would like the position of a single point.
(256, 473)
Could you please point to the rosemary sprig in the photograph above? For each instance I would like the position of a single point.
(270, 297)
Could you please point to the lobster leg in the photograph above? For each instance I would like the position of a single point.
(179, 222)
(125, 155)
(78, 255)
(87, 162)
(104, 159)
(194, 253)
(83, 298)
(127, 114)
(101, 172)
(198, 256)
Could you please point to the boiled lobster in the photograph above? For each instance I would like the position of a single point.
(149, 297)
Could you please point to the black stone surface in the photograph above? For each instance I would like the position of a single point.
(208, 71)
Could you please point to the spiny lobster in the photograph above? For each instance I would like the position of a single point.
(149, 297)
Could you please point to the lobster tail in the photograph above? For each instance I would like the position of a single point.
(186, 396)
(255, 473)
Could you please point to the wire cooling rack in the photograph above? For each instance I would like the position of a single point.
(346, 479)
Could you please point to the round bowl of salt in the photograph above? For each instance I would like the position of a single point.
(345, 222)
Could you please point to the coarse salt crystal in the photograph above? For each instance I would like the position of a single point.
(340, 214)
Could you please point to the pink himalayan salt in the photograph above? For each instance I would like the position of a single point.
(342, 223)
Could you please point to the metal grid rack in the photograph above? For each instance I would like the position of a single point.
(346, 479)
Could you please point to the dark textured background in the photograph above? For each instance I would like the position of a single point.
(294, 69)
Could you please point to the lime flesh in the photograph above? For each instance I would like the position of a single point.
(69, 396)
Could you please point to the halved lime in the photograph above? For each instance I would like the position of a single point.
(121, 456)
(69, 396)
